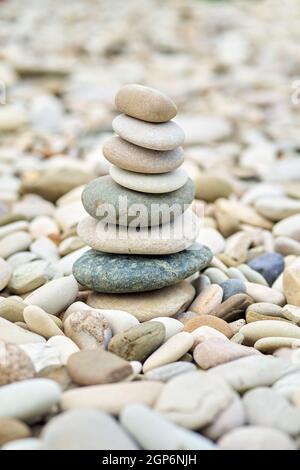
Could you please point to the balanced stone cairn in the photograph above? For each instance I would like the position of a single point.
(142, 230)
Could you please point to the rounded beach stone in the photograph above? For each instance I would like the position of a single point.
(256, 438)
(93, 367)
(40, 322)
(29, 398)
(15, 364)
(143, 423)
(64, 346)
(110, 273)
(212, 187)
(267, 328)
(88, 329)
(232, 287)
(111, 398)
(230, 418)
(164, 136)
(138, 342)
(171, 325)
(12, 429)
(269, 265)
(158, 240)
(11, 333)
(153, 184)
(170, 351)
(251, 372)
(216, 351)
(208, 300)
(145, 103)
(106, 200)
(168, 371)
(11, 244)
(5, 273)
(270, 344)
(55, 296)
(147, 305)
(233, 308)
(208, 320)
(291, 283)
(266, 407)
(131, 157)
(195, 410)
(85, 430)
(261, 293)
(30, 276)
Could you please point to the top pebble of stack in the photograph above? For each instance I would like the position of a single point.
(145, 103)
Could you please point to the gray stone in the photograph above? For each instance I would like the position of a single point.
(106, 200)
(232, 287)
(109, 273)
(269, 265)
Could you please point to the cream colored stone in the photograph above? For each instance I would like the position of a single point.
(268, 328)
(40, 322)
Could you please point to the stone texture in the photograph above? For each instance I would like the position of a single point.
(264, 294)
(269, 265)
(147, 305)
(232, 287)
(11, 333)
(30, 276)
(138, 342)
(145, 103)
(233, 308)
(291, 283)
(172, 350)
(216, 351)
(112, 398)
(28, 399)
(250, 372)
(88, 329)
(211, 321)
(85, 430)
(180, 234)
(164, 136)
(55, 296)
(142, 423)
(168, 371)
(256, 438)
(93, 367)
(152, 184)
(15, 364)
(40, 322)
(265, 407)
(12, 429)
(267, 328)
(208, 300)
(204, 398)
(130, 157)
(109, 273)
(106, 200)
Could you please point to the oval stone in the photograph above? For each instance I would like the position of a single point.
(159, 240)
(105, 272)
(106, 200)
(153, 184)
(145, 103)
(164, 136)
(138, 159)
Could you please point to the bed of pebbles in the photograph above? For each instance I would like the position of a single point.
(210, 362)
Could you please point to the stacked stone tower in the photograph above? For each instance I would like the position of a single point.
(141, 230)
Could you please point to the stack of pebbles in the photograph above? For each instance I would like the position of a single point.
(141, 230)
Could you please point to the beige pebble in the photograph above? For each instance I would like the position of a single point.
(252, 275)
(15, 364)
(254, 316)
(112, 398)
(270, 344)
(40, 322)
(11, 333)
(265, 308)
(205, 333)
(264, 294)
(12, 429)
(216, 351)
(170, 351)
(172, 326)
(268, 328)
(292, 313)
(5, 273)
(230, 418)
(43, 226)
(145, 103)
(14, 227)
(55, 296)
(291, 283)
(69, 245)
(88, 328)
(209, 299)
(18, 241)
(12, 308)
(236, 325)
(256, 438)
(65, 347)
(194, 399)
